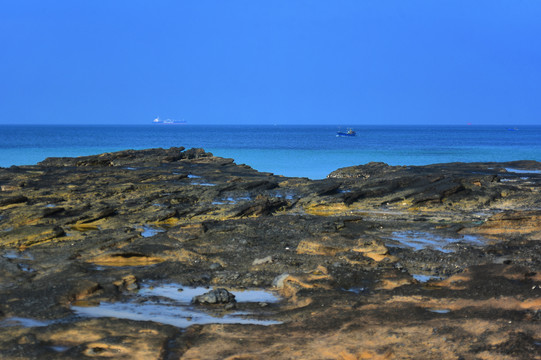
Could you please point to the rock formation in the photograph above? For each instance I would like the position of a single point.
(376, 261)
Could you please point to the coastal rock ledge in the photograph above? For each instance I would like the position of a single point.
(101, 256)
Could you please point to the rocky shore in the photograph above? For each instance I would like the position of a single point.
(175, 253)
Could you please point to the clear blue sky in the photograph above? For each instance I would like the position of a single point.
(272, 61)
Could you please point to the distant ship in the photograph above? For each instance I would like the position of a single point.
(168, 121)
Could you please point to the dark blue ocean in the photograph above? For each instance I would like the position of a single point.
(308, 151)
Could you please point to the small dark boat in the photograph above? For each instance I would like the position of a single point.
(350, 132)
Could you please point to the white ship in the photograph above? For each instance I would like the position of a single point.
(168, 121)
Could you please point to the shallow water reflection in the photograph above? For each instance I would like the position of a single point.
(283, 195)
(59, 348)
(203, 184)
(520, 171)
(424, 278)
(13, 254)
(231, 200)
(149, 231)
(355, 290)
(24, 322)
(440, 311)
(171, 304)
(417, 240)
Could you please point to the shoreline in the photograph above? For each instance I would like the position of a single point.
(305, 151)
(435, 261)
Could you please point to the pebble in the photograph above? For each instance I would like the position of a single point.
(265, 260)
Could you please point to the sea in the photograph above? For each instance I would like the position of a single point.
(300, 151)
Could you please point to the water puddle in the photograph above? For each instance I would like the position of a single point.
(283, 195)
(520, 171)
(20, 255)
(417, 240)
(425, 278)
(197, 182)
(440, 311)
(172, 304)
(14, 254)
(231, 200)
(24, 322)
(149, 231)
(356, 290)
(515, 180)
(59, 348)
(25, 268)
(186, 294)
(202, 184)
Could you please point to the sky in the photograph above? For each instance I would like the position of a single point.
(270, 62)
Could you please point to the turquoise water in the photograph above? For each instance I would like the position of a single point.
(308, 151)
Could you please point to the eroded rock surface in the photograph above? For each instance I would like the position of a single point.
(376, 261)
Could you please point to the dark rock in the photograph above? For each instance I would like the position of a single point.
(84, 289)
(260, 207)
(216, 296)
(51, 211)
(13, 200)
(29, 235)
(362, 171)
(98, 214)
(195, 153)
(258, 185)
(128, 157)
(326, 189)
